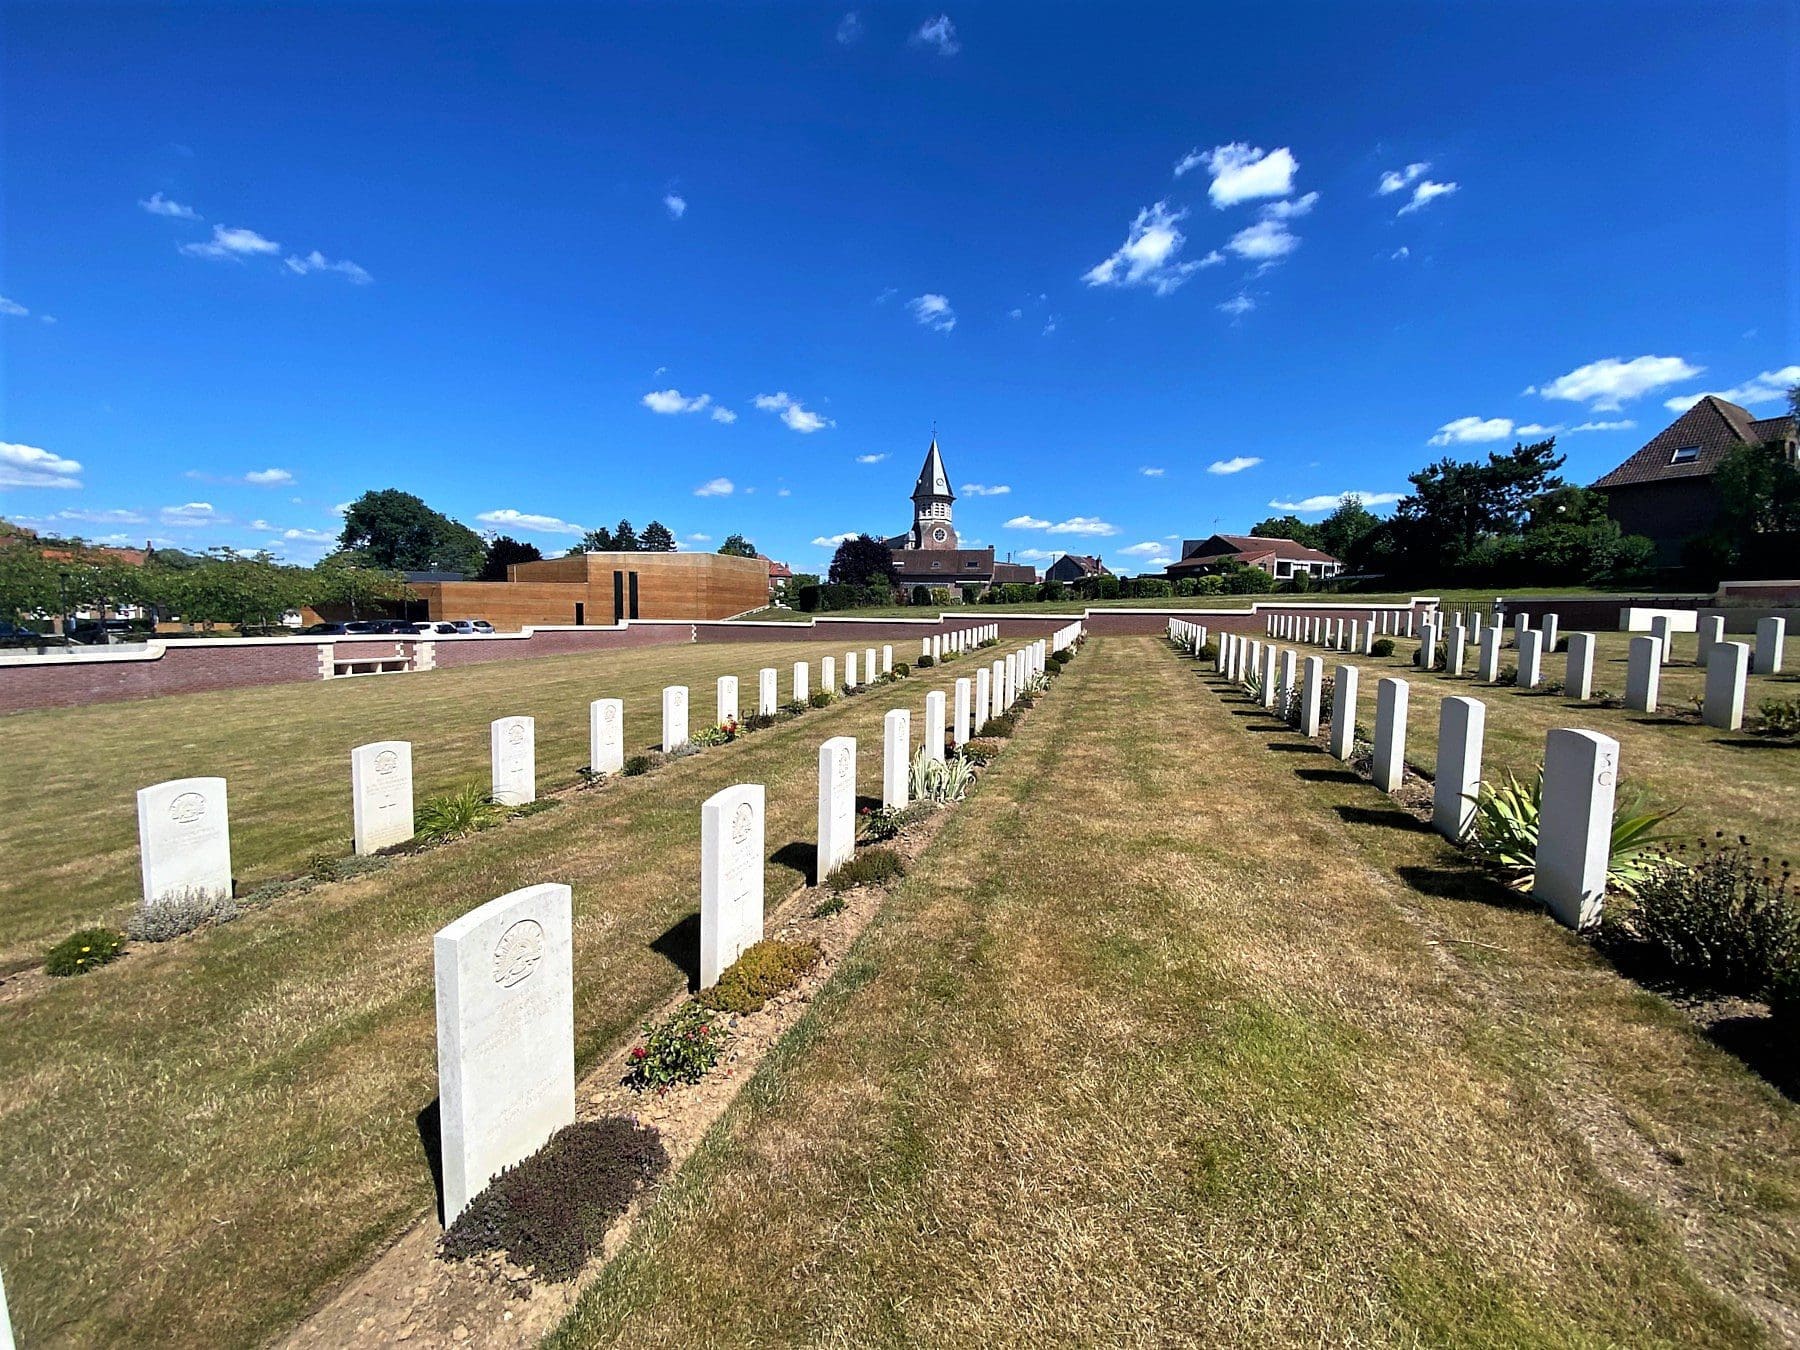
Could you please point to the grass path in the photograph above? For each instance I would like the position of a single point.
(198, 1140)
(1178, 1038)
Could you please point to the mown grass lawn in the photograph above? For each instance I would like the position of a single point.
(285, 753)
(196, 1141)
(1179, 1037)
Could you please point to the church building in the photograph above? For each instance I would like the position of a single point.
(928, 554)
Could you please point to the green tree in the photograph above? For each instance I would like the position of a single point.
(625, 539)
(398, 531)
(658, 538)
(1287, 527)
(344, 578)
(595, 541)
(1759, 491)
(1340, 531)
(503, 552)
(737, 546)
(28, 583)
(1455, 505)
(864, 561)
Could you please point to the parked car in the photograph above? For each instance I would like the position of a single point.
(442, 627)
(366, 626)
(96, 632)
(17, 635)
(325, 630)
(483, 626)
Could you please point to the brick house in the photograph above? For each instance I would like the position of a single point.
(1665, 491)
(1282, 559)
(1076, 567)
(930, 556)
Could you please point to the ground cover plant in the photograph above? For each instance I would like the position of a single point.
(85, 950)
(305, 1029)
(1382, 1114)
(867, 867)
(766, 968)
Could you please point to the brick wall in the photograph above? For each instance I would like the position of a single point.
(179, 670)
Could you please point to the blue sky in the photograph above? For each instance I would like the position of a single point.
(725, 265)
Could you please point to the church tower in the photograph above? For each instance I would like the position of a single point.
(931, 497)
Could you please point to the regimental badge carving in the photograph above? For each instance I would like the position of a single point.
(515, 734)
(187, 808)
(843, 767)
(386, 762)
(743, 822)
(609, 714)
(518, 952)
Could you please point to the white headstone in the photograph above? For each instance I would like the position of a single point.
(728, 700)
(896, 757)
(675, 717)
(731, 877)
(184, 839)
(1727, 666)
(381, 795)
(1284, 675)
(767, 695)
(887, 660)
(1711, 634)
(868, 665)
(1550, 626)
(1531, 658)
(1578, 678)
(1462, 727)
(505, 1035)
(1581, 770)
(1271, 656)
(1487, 668)
(1521, 626)
(1428, 648)
(984, 679)
(828, 675)
(606, 735)
(1312, 688)
(6, 1335)
(1770, 634)
(512, 753)
(801, 691)
(850, 670)
(934, 725)
(1389, 758)
(1456, 649)
(1662, 628)
(962, 711)
(998, 693)
(837, 804)
(1343, 712)
(1643, 673)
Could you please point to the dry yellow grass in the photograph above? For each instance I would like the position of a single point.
(1169, 1041)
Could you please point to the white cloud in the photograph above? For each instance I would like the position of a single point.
(1151, 471)
(191, 513)
(794, 413)
(1290, 210)
(1239, 305)
(1328, 501)
(1398, 180)
(1469, 430)
(1049, 326)
(310, 536)
(342, 508)
(870, 459)
(1242, 173)
(158, 205)
(1036, 554)
(12, 308)
(102, 517)
(675, 205)
(1015, 314)
(529, 523)
(671, 401)
(263, 526)
(1236, 464)
(268, 477)
(986, 490)
(1401, 253)
(784, 492)
(833, 540)
(724, 415)
(26, 466)
(1605, 385)
(318, 262)
(1027, 523)
(1623, 424)
(1768, 387)
(1148, 255)
(234, 244)
(1540, 429)
(939, 33)
(1144, 550)
(716, 487)
(849, 28)
(698, 538)
(1073, 525)
(1264, 241)
(1425, 194)
(933, 311)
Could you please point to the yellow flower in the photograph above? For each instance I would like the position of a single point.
(87, 949)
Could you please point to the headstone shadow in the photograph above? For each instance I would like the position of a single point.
(1329, 775)
(802, 858)
(1296, 747)
(679, 944)
(1464, 883)
(1390, 816)
(429, 1123)
(1765, 1048)
(1760, 743)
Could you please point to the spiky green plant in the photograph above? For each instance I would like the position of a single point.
(1504, 834)
(940, 780)
(454, 814)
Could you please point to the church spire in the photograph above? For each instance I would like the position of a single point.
(934, 481)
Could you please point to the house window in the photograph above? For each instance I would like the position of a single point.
(1687, 454)
(971, 564)
(936, 565)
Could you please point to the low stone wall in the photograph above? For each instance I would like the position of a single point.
(110, 675)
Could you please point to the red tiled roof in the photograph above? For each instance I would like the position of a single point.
(1712, 426)
(1260, 546)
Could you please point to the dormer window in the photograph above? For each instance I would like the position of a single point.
(1687, 454)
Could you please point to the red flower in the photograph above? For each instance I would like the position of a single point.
(638, 1052)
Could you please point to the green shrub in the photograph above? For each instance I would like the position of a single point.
(454, 814)
(722, 734)
(871, 867)
(1717, 919)
(1382, 647)
(84, 950)
(793, 708)
(830, 905)
(180, 912)
(884, 822)
(680, 1049)
(1504, 835)
(1209, 651)
(535, 807)
(940, 780)
(550, 1213)
(902, 669)
(820, 699)
(766, 968)
(1002, 726)
(1780, 717)
(982, 749)
(637, 765)
(926, 662)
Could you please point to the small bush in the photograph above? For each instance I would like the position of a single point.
(821, 699)
(1780, 717)
(901, 669)
(536, 807)
(766, 968)
(637, 765)
(324, 867)
(682, 751)
(756, 722)
(830, 905)
(939, 780)
(999, 727)
(454, 814)
(550, 1213)
(1718, 919)
(1209, 651)
(678, 1050)
(1057, 659)
(180, 912)
(722, 734)
(793, 708)
(982, 749)
(1382, 647)
(926, 662)
(84, 950)
(871, 867)
(887, 821)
